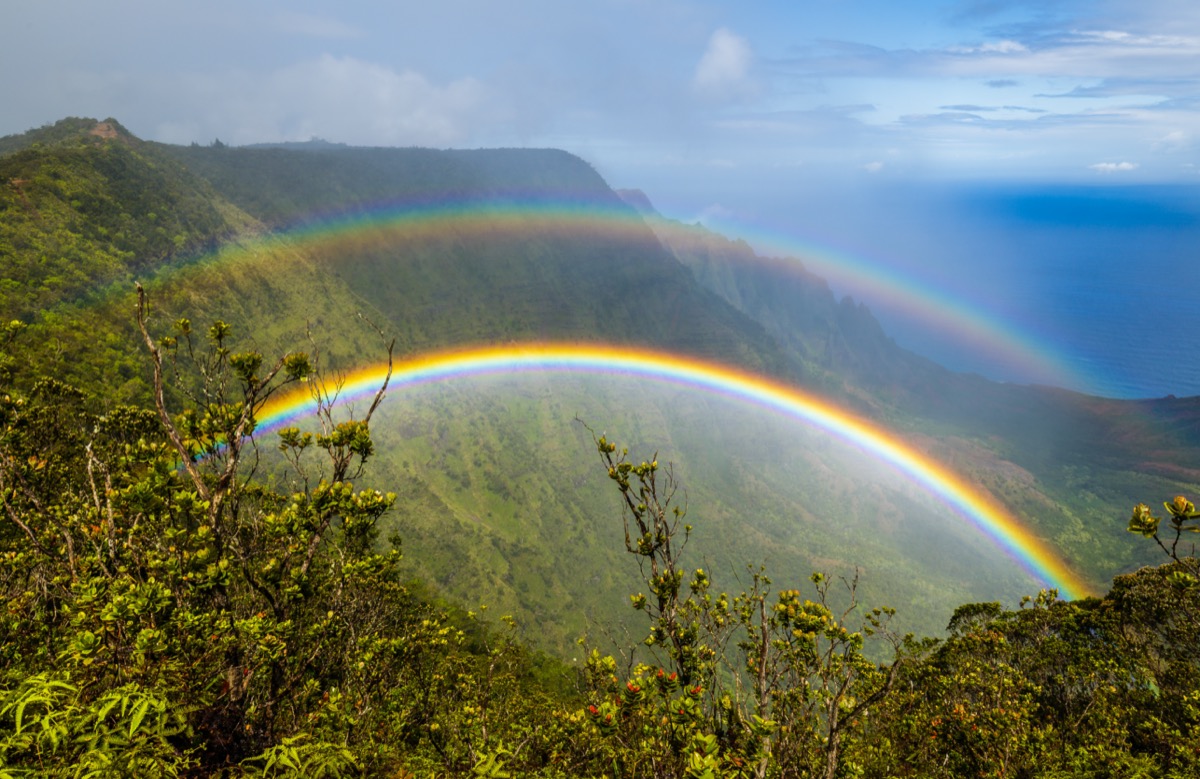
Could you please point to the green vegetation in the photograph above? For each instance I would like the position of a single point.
(87, 211)
(168, 613)
(494, 476)
(182, 600)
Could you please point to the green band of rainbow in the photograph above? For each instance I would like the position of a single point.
(969, 502)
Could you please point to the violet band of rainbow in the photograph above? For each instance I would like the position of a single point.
(969, 502)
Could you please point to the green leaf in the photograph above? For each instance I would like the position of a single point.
(21, 708)
(139, 714)
(113, 699)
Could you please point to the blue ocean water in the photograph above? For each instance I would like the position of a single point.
(1103, 280)
(1106, 277)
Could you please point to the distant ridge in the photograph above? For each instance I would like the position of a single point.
(638, 200)
(313, 144)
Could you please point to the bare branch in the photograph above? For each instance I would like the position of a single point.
(161, 405)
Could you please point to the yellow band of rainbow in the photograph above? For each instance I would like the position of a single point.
(968, 501)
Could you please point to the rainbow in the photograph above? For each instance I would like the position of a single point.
(452, 215)
(969, 502)
(960, 320)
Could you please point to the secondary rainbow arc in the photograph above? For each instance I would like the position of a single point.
(968, 502)
(874, 283)
(453, 213)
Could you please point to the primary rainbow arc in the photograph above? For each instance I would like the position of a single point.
(967, 501)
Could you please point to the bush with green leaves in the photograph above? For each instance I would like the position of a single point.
(167, 611)
(175, 606)
(751, 684)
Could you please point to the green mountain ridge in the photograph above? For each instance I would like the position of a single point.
(491, 483)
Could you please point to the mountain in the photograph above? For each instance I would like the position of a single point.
(493, 267)
(501, 501)
(86, 209)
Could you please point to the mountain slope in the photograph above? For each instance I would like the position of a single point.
(91, 208)
(504, 272)
(500, 499)
(86, 209)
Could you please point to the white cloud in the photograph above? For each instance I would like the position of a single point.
(1113, 167)
(313, 26)
(342, 99)
(873, 167)
(1122, 38)
(1075, 53)
(713, 213)
(1173, 141)
(361, 102)
(724, 70)
(996, 47)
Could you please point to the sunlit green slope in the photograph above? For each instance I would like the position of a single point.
(501, 498)
(504, 501)
(86, 209)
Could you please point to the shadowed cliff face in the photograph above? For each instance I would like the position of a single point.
(497, 267)
(298, 182)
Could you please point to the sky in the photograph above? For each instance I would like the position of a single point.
(844, 124)
(1061, 89)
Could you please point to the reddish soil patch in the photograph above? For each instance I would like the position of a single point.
(103, 130)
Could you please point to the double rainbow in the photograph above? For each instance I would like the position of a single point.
(968, 502)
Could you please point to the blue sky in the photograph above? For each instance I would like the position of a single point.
(1051, 89)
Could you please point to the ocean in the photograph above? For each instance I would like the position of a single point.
(1106, 278)
(1100, 282)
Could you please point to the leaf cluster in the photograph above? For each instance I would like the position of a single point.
(167, 613)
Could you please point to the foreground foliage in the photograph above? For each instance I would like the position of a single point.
(167, 614)
(170, 612)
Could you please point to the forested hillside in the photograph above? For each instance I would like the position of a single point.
(168, 614)
(191, 595)
(481, 278)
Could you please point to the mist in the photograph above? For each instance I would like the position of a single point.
(760, 489)
(1078, 277)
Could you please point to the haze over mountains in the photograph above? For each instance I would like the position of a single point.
(514, 246)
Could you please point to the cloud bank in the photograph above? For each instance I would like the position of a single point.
(723, 72)
(1113, 167)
